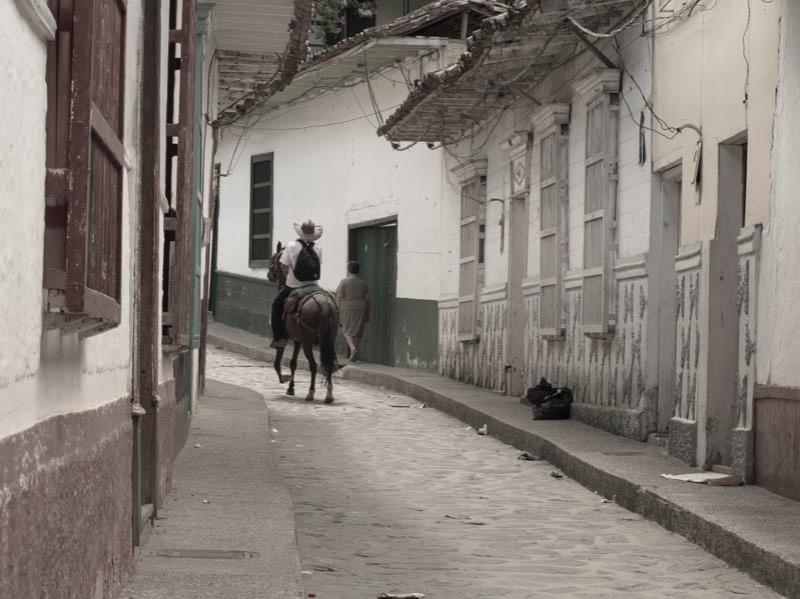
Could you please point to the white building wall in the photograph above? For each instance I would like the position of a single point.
(779, 285)
(605, 374)
(42, 375)
(330, 166)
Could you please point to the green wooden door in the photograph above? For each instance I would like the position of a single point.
(375, 248)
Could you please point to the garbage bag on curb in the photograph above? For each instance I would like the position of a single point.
(549, 402)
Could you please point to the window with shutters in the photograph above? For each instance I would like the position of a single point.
(600, 205)
(470, 276)
(551, 126)
(85, 165)
(261, 209)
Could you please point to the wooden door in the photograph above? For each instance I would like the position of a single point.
(375, 248)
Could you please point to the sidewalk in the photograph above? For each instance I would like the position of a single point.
(227, 527)
(748, 527)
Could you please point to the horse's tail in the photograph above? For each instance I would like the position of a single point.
(327, 351)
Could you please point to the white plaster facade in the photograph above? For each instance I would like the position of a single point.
(330, 166)
(45, 374)
(609, 372)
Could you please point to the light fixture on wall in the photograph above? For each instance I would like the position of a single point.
(501, 222)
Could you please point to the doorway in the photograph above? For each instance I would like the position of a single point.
(374, 247)
(666, 233)
(517, 269)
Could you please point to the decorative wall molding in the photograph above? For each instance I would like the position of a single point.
(600, 81)
(450, 301)
(469, 169)
(496, 293)
(632, 267)
(689, 257)
(530, 286)
(749, 240)
(39, 18)
(573, 279)
(549, 115)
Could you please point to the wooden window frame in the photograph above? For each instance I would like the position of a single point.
(82, 274)
(179, 181)
(471, 174)
(600, 91)
(257, 159)
(551, 122)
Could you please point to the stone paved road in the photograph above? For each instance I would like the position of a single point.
(392, 497)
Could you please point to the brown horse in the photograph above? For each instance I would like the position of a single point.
(314, 323)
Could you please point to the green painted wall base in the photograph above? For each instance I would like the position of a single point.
(245, 302)
(415, 333)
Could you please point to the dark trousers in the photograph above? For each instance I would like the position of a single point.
(278, 326)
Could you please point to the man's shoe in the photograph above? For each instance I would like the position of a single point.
(278, 343)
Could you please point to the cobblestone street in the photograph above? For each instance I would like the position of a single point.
(392, 497)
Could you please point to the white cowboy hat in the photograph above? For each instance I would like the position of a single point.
(308, 231)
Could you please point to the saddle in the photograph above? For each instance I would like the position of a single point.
(297, 299)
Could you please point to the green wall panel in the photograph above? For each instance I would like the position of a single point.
(415, 333)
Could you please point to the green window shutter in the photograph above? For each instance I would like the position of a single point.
(261, 190)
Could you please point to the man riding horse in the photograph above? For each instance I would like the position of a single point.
(302, 311)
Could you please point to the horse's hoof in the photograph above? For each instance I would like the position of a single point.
(310, 397)
(285, 378)
(290, 391)
(329, 400)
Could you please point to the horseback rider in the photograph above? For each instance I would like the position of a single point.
(300, 262)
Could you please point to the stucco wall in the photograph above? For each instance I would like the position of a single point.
(702, 78)
(42, 375)
(329, 165)
(779, 286)
(22, 154)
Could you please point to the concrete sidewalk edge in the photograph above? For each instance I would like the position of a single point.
(767, 566)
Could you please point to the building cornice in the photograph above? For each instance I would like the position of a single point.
(601, 81)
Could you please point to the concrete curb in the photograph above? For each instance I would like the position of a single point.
(686, 509)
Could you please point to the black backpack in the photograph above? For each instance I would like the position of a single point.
(306, 265)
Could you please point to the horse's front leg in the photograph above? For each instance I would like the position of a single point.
(308, 350)
(293, 366)
(277, 364)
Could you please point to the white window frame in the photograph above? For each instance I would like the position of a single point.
(600, 91)
(471, 177)
(551, 122)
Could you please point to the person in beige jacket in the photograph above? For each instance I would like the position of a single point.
(353, 298)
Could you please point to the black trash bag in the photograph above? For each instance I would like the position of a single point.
(538, 394)
(555, 406)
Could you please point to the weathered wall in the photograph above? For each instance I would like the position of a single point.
(65, 426)
(779, 283)
(717, 70)
(329, 165)
(607, 375)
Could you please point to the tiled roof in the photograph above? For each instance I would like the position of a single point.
(261, 81)
(509, 55)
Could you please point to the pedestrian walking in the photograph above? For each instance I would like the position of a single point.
(353, 297)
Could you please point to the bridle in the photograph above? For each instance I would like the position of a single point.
(274, 270)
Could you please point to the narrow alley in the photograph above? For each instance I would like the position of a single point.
(392, 497)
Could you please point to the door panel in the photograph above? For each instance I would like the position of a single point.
(375, 248)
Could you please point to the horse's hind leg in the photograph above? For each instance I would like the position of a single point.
(277, 364)
(293, 366)
(329, 385)
(308, 350)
